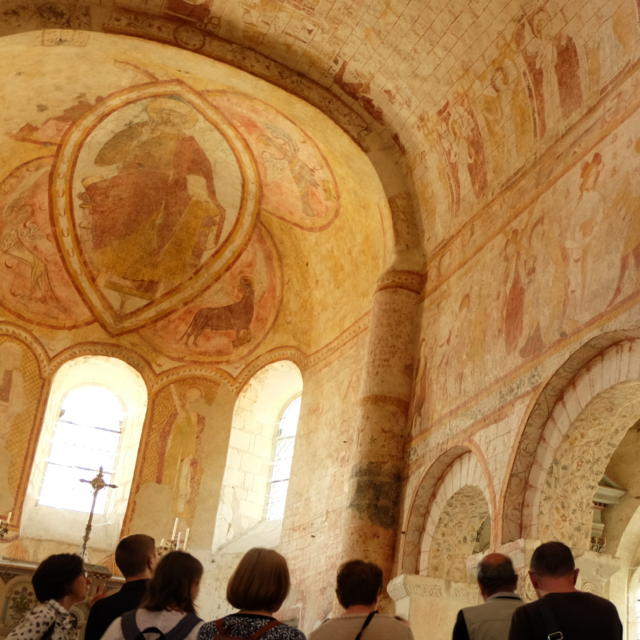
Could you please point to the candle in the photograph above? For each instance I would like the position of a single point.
(9, 517)
(178, 540)
(175, 528)
(186, 538)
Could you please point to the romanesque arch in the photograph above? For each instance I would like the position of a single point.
(600, 379)
(453, 500)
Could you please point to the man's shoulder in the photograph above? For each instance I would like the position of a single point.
(380, 621)
(507, 601)
(583, 600)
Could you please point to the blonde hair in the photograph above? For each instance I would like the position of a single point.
(260, 581)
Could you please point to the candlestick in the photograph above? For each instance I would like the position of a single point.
(175, 528)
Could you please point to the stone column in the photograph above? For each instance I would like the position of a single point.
(378, 469)
(596, 570)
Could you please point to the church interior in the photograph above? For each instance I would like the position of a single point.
(372, 290)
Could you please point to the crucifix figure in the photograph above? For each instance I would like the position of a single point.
(98, 484)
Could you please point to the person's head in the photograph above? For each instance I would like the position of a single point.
(260, 581)
(495, 574)
(60, 577)
(136, 556)
(174, 584)
(552, 569)
(358, 582)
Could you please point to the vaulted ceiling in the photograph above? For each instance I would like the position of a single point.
(450, 98)
(450, 101)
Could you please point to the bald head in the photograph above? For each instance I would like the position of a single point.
(495, 574)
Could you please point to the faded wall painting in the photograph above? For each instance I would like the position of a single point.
(540, 79)
(298, 184)
(183, 413)
(165, 202)
(140, 208)
(570, 260)
(232, 316)
(34, 283)
(20, 388)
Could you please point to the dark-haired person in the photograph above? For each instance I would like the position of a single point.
(168, 604)
(359, 585)
(258, 587)
(136, 558)
(561, 608)
(497, 582)
(59, 582)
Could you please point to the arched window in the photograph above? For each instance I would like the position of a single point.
(259, 458)
(86, 438)
(94, 417)
(282, 459)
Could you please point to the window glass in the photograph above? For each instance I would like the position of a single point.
(282, 459)
(86, 438)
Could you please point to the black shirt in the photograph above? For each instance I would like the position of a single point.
(579, 616)
(105, 611)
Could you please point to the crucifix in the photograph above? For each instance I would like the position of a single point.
(98, 485)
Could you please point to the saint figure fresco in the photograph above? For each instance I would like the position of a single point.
(156, 214)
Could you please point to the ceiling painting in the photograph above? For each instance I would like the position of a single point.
(136, 204)
(298, 184)
(34, 283)
(173, 197)
(230, 318)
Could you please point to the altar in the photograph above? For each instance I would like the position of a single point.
(17, 597)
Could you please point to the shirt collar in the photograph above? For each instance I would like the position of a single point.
(505, 594)
(67, 619)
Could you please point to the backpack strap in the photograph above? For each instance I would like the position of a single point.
(365, 624)
(550, 622)
(128, 624)
(183, 628)
(267, 627)
(220, 627)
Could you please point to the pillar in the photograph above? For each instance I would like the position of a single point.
(376, 479)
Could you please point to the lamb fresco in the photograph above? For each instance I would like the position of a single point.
(232, 316)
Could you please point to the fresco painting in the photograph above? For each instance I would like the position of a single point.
(148, 206)
(183, 414)
(230, 318)
(298, 184)
(142, 211)
(555, 274)
(156, 196)
(34, 283)
(534, 88)
(20, 386)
